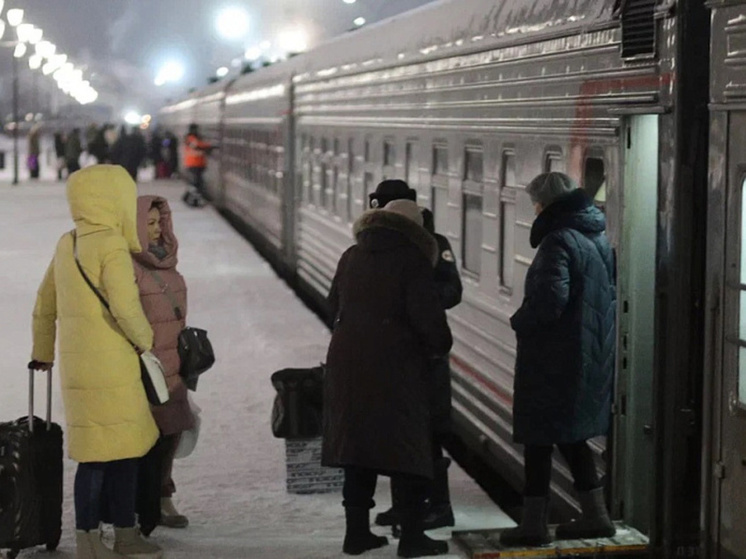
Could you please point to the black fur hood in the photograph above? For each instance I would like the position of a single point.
(372, 230)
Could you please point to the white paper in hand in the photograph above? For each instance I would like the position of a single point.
(157, 376)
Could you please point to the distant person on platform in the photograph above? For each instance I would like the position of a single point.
(59, 151)
(564, 370)
(98, 147)
(73, 150)
(34, 151)
(170, 152)
(388, 325)
(130, 151)
(196, 151)
(438, 512)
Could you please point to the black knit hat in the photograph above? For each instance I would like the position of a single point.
(389, 190)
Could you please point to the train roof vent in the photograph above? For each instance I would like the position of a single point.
(638, 28)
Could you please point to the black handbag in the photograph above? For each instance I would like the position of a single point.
(195, 350)
(298, 407)
(196, 354)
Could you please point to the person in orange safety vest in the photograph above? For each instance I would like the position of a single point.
(195, 157)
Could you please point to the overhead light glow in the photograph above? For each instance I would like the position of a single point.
(252, 53)
(265, 45)
(35, 61)
(2, 27)
(24, 32)
(132, 118)
(359, 21)
(20, 50)
(293, 40)
(35, 35)
(222, 72)
(14, 17)
(232, 23)
(45, 49)
(171, 71)
(349, 1)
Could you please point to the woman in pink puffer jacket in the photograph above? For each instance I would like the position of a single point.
(163, 297)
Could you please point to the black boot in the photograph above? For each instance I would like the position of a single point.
(533, 530)
(414, 542)
(594, 522)
(387, 518)
(439, 512)
(358, 537)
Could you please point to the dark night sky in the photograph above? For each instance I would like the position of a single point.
(122, 43)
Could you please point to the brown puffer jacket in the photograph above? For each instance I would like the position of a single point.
(161, 286)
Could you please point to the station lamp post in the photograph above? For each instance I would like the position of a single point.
(14, 18)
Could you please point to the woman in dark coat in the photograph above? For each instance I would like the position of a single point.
(564, 372)
(388, 324)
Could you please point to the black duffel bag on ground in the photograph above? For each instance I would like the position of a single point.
(297, 409)
(196, 354)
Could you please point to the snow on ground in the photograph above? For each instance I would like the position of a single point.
(233, 486)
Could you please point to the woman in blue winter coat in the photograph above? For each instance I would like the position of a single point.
(565, 329)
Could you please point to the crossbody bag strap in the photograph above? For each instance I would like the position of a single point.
(101, 298)
(164, 287)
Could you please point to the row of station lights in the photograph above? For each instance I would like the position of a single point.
(45, 57)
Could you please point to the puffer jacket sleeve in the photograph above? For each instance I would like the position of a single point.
(45, 319)
(425, 310)
(447, 278)
(333, 299)
(547, 287)
(118, 278)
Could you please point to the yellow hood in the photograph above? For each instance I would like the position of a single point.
(104, 197)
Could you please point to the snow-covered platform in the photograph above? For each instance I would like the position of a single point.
(485, 544)
(233, 486)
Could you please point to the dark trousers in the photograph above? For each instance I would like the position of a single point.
(198, 180)
(72, 166)
(538, 467)
(170, 444)
(359, 487)
(120, 476)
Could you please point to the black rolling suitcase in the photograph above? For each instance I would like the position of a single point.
(31, 479)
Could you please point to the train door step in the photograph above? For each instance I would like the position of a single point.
(485, 544)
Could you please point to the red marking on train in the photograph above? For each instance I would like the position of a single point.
(482, 380)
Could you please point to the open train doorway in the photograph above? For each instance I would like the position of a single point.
(633, 446)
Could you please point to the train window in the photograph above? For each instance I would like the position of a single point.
(553, 162)
(440, 160)
(389, 153)
(350, 175)
(324, 178)
(508, 185)
(308, 169)
(410, 163)
(594, 178)
(368, 187)
(472, 206)
(439, 200)
(474, 167)
(472, 231)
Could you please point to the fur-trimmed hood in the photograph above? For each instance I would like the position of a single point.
(390, 221)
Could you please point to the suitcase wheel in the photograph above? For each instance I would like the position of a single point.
(13, 553)
(52, 546)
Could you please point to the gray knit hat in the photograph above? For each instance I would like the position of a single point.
(405, 208)
(547, 188)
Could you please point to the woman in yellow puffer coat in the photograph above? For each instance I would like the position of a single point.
(109, 423)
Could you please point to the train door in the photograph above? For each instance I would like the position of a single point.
(730, 465)
(636, 264)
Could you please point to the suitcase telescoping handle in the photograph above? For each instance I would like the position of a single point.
(31, 399)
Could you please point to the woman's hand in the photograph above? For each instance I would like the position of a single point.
(40, 366)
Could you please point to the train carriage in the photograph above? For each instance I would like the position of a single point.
(468, 100)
